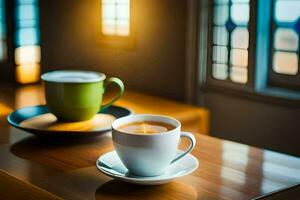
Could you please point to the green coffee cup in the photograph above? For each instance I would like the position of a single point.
(74, 95)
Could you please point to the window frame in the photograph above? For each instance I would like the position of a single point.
(211, 81)
(257, 87)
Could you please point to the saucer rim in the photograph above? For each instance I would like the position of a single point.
(155, 180)
(44, 132)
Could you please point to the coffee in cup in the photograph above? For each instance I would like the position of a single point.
(149, 152)
(146, 127)
(76, 95)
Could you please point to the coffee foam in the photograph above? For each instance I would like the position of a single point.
(73, 76)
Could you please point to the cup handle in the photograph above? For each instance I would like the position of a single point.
(192, 139)
(119, 83)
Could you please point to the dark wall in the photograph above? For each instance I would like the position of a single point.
(264, 125)
(69, 40)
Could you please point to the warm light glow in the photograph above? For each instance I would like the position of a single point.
(29, 95)
(239, 74)
(4, 109)
(116, 17)
(28, 54)
(28, 73)
(49, 122)
(285, 63)
(27, 59)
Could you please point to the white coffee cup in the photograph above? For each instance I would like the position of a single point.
(151, 154)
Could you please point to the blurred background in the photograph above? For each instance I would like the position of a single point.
(238, 58)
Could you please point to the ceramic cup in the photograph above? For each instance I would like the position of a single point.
(74, 95)
(149, 155)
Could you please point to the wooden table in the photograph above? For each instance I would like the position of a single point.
(31, 168)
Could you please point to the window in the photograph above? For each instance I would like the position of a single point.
(231, 40)
(116, 24)
(285, 30)
(254, 46)
(27, 40)
(116, 17)
(2, 31)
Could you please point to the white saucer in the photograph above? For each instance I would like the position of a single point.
(111, 165)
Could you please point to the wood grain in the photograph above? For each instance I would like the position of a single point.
(13, 188)
(66, 167)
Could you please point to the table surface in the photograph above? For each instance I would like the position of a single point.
(59, 168)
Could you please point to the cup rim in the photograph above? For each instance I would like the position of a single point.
(115, 127)
(101, 76)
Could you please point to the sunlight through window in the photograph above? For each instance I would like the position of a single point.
(286, 37)
(116, 17)
(27, 52)
(231, 40)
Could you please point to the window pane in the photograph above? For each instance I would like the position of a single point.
(26, 1)
(28, 54)
(240, 13)
(285, 63)
(108, 26)
(240, 38)
(26, 12)
(26, 23)
(122, 1)
(116, 17)
(286, 39)
(238, 74)
(109, 22)
(123, 27)
(221, 1)
(109, 11)
(220, 14)
(220, 71)
(108, 1)
(123, 11)
(239, 57)
(220, 35)
(287, 10)
(28, 73)
(240, 1)
(220, 54)
(27, 36)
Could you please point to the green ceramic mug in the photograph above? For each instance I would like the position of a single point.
(74, 95)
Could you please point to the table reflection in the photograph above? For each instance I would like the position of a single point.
(4, 109)
(121, 190)
(29, 95)
(272, 169)
(233, 152)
